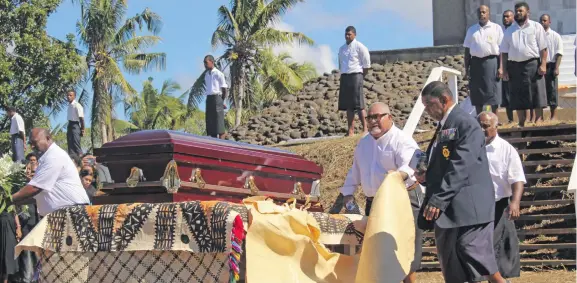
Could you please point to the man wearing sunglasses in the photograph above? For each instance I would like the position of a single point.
(385, 148)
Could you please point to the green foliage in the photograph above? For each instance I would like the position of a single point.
(113, 46)
(245, 31)
(35, 69)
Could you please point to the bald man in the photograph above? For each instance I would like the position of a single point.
(508, 179)
(482, 61)
(385, 148)
(56, 183)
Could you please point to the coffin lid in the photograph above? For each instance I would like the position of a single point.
(190, 144)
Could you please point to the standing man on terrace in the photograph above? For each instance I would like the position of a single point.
(354, 64)
(554, 54)
(215, 90)
(508, 180)
(17, 135)
(482, 61)
(506, 94)
(75, 128)
(460, 199)
(524, 62)
(386, 148)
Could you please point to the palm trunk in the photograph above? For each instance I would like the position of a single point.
(240, 97)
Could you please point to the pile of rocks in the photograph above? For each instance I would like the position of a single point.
(313, 112)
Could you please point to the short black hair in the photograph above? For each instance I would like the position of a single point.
(548, 17)
(11, 109)
(437, 89)
(521, 4)
(507, 11)
(351, 29)
(209, 57)
(30, 155)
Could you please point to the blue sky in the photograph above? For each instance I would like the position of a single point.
(188, 26)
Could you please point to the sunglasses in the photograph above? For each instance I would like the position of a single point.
(376, 117)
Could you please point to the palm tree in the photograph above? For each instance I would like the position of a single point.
(245, 31)
(113, 45)
(157, 110)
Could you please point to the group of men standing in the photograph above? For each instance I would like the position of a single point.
(514, 66)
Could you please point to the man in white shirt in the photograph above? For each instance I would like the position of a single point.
(482, 61)
(215, 91)
(524, 62)
(386, 148)
(17, 135)
(554, 54)
(354, 64)
(505, 97)
(56, 183)
(75, 128)
(508, 180)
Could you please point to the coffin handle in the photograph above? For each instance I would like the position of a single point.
(136, 175)
(298, 190)
(170, 180)
(249, 184)
(196, 177)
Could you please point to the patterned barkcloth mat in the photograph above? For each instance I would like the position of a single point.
(167, 242)
(336, 229)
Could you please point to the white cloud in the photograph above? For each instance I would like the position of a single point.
(321, 56)
(419, 12)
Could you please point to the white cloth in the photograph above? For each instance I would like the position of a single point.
(374, 158)
(524, 43)
(214, 80)
(16, 124)
(505, 167)
(554, 44)
(59, 180)
(483, 41)
(354, 57)
(75, 111)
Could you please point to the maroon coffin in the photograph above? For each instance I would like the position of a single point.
(164, 166)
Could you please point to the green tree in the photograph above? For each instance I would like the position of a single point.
(245, 31)
(35, 69)
(113, 45)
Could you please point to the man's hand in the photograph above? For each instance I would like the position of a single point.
(431, 212)
(514, 210)
(420, 176)
(542, 69)
(556, 71)
(505, 75)
(224, 106)
(18, 234)
(500, 73)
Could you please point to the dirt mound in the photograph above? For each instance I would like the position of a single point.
(313, 111)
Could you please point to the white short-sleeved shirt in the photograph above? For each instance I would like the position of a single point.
(505, 167)
(214, 80)
(484, 41)
(59, 180)
(354, 57)
(16, 124)
(524, 43)
(554, 44)
(374, 158)
(75, 111)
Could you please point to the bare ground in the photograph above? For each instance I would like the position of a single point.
(557, 276)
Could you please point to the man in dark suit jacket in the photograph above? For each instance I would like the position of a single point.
(460, 199)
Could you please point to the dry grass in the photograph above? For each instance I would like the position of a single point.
(526, 277)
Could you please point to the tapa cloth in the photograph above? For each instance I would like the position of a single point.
(551, 85)
(466, 253)
(283, 243)
(484, 84)
(526, 86)
(351, 95)
(214, 115)
(166, 242)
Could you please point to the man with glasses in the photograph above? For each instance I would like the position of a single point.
(385, 148)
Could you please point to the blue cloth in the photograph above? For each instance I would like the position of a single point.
(17, 148)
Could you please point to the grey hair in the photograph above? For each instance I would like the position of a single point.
(492, 117)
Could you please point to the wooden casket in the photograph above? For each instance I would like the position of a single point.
(155, 166)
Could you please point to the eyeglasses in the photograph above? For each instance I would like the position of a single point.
(376, 117)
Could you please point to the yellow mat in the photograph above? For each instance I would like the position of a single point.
(282, 243)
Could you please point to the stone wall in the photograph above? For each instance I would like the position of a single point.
(415, 54)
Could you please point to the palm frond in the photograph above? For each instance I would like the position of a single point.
(136, 63)
(195, 93)
(271, 37)
(271, 13)
(169, 87)
(149, 19)
(135, 45)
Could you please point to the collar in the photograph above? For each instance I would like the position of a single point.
(447, 115)
(494, 142)
(351, 42)
(388, 134)
(487, 25)
(526, 25)
(73, 102)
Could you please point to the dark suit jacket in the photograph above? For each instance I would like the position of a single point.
(459, 184)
